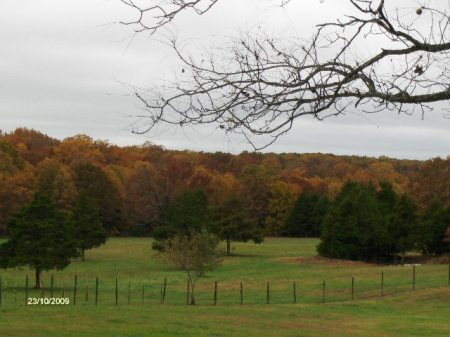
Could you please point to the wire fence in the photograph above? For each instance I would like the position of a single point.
(77, 290)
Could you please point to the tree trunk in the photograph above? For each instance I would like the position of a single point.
(38, 278)
(192, 293)
(82, 254)
(228, 246)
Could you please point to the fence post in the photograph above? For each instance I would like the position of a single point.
(382, 283)
(96, 290)
(26, 290)
(187, 292)
(117, 292)
(15, 294)
(242, 294)
(75, 290)
(353, 288)
(51, 286)
(414, 278)
(323, 292)
(164, 290)
(268, 293)
(129, 293)
(86, 298)
(215, 293)
(449, 274)
(295, 293)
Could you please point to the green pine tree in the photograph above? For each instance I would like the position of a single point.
(434, 225)
(307, 216)
(40, 237)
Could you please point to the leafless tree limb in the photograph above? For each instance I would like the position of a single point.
(259, 86)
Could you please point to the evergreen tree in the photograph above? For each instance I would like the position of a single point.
(307, 216)
(434, 226)
(89, 230)
(40, 237)
(233, 223)
(387, 198)
(402, 226)
(354, 227)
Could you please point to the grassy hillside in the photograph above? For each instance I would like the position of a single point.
(401, 312)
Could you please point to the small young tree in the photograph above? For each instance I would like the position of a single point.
(89, 230)
(41, 237)
(196, 254)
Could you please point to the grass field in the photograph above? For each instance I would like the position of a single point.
(401, 312)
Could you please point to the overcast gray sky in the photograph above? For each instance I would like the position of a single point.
(62, 65)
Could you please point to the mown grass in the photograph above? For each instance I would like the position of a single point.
(401, 312)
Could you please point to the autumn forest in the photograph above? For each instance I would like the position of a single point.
(134, 187)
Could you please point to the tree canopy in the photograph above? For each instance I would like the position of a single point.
(307, 216)
(188, 213)
(89, 230)
(232, 222)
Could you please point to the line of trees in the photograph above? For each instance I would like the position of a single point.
(133, 185)
(370, 224)
(44, 237)
(103, 189)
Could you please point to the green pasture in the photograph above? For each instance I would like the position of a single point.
(279, 261)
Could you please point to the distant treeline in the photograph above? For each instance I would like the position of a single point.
(134, 187)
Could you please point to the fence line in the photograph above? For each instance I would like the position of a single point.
(329, 291)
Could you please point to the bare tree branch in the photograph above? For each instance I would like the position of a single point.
(259, 86)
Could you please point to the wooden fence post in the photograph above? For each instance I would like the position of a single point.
(86, 297)
(187, 291)
(414, 278)
(382, 283)
(96, 290)
(323, 292)
(117, 291)
(51, 286)
(353, 288)
(75, 290)
(26, 290)
(129, 293)
(295, 293)
(268, 293)
(215, 293)
(164, 290)
(242, 293)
